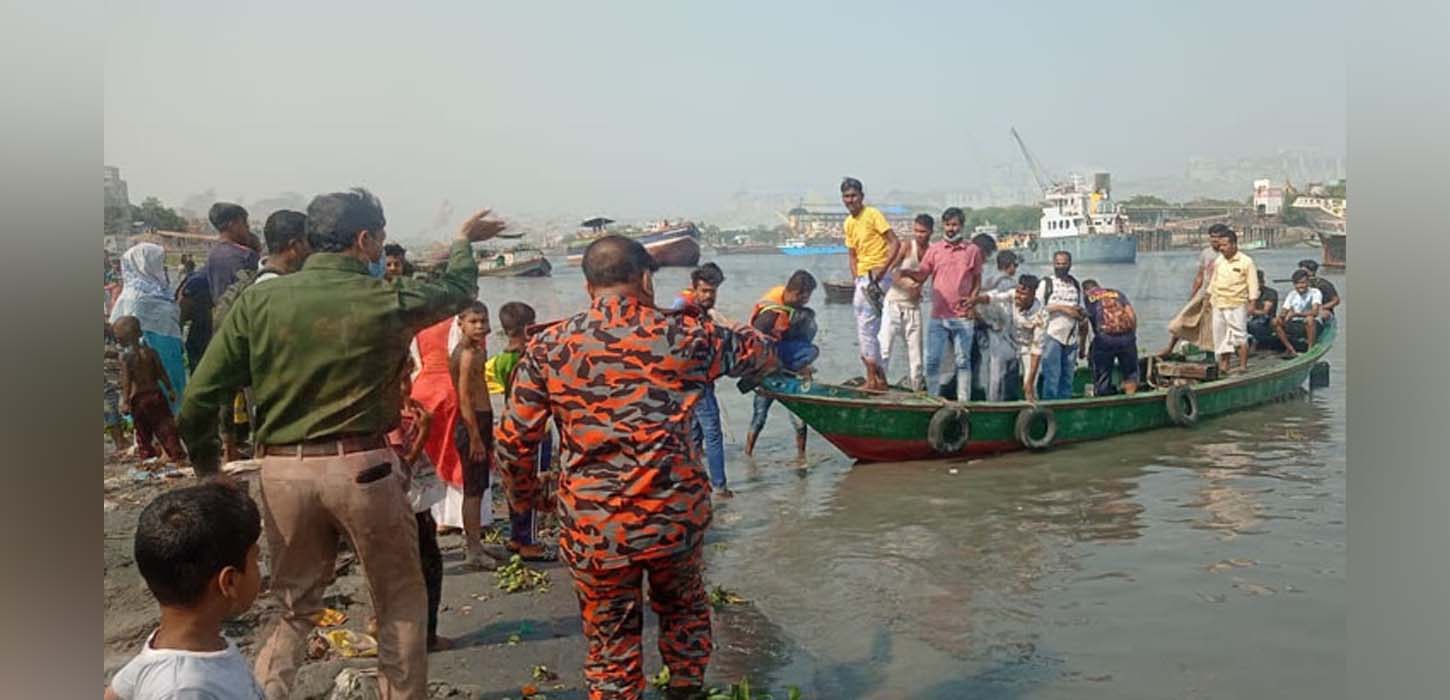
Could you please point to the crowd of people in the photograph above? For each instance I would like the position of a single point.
(1016, 337)
(365, 395)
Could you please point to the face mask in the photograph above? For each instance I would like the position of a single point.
(378, 268)
(1061, 271)
(953, 238)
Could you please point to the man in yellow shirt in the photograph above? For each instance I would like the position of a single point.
(874, 252)
(1234, 285)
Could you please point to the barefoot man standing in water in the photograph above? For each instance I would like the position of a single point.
(620, 382)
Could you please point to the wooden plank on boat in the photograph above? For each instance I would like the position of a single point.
(1188, 370)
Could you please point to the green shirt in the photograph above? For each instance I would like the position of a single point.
(503, 368)
(322, 349)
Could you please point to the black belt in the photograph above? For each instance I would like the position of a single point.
(328, 447)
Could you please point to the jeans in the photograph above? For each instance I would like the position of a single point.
(521, 524)
(1059, 362)
(762, 409)
(1108, 351)
(705, 428)
(960, 332)
(794, 355)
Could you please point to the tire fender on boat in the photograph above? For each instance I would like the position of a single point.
(1182, 404)
(1319, 375)
(1026, 418)
(949, 430)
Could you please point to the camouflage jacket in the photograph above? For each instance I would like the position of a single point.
(620, 381)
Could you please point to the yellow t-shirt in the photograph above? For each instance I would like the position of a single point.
(866, 234)
(1234, 283)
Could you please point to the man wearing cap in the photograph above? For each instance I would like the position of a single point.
(620, 381)
(1325, 287)
(874, 252)
(322, 349)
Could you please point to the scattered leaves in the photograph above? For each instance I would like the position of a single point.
(542, 674)
(720, 597)
(515, 576)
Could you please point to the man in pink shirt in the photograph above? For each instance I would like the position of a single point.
(956, 266)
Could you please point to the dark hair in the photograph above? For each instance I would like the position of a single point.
(1006, 259)
(1260, 272)
(283, 228)
(851, 183)
(1309, 265)
(953, 213)
(1090, 283)
(1219, 230)
(801, 282)
(334, 220)
(1229, 235)
(709, 273)
(474, 307)
(615, 259)
(926, 220)
(1062, 252)
(1028, 281)
(515, 316)
(986, 242)
(222, 214)
(1300, 274)
(393, 250)
(186, 536)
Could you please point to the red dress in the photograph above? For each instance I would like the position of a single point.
(433, 387)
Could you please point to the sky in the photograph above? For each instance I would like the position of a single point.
(666, 109)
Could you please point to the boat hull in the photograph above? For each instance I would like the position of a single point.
(837, 293)
(875, 429)
(1121, 248)
(677, 248)
(1334, 250)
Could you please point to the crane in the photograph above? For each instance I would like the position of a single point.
(1041, 177)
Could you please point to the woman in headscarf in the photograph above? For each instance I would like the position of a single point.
(146, 294)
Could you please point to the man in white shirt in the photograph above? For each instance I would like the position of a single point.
(1301, 310)
(903, 305)
(1061, 295)
(1015, 329)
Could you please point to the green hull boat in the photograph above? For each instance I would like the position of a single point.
(899, 425)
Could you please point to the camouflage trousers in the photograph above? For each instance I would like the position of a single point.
(611, 605)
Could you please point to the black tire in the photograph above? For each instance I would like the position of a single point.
(1319, 375)
(1026, 418)
(1182, 404)
(949, 431)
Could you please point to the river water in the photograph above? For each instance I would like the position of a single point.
(1199, 563)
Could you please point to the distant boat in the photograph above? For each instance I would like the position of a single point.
(801, 246)
(1081, 220)
(677, 246)
(753, 249)
(839, 292)
(520, 262)
(1333, 245)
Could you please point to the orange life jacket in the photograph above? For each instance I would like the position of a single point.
(774, 300)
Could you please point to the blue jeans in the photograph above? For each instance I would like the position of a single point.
(521, 525)
(1059, 362)
(959, 331)
(705, 429)
(761, 410)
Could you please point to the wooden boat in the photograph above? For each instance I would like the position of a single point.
(522, 262)
(839, 292)
(899, 425)
(678, 246)
(1332, 243)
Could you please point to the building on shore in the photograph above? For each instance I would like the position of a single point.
(1268, 198)
(116, 200)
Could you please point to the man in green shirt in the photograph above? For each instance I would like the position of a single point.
(322, 349)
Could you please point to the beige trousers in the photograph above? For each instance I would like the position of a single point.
(309, 502)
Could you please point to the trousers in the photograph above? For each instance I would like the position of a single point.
(903, 320)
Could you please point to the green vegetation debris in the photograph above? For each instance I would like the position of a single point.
(515, 576)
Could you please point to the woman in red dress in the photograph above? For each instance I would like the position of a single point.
(433, 387)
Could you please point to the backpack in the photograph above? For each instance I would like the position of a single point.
(1115, 314)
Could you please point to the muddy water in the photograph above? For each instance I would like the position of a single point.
(1202, 563)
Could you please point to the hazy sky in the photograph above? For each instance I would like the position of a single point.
(667, 108)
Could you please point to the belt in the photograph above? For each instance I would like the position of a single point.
(327, 447)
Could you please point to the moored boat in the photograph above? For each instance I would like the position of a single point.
(899, 425)
(751, 249)
(1082, 220)
(801, 246)
(1334, 249)
(520, 262)
(839, 292)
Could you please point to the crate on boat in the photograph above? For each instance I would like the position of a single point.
(1200, 371)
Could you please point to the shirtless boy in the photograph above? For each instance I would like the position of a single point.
(473, 435)
(142, 381)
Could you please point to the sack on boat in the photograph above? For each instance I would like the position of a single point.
(1194, 324)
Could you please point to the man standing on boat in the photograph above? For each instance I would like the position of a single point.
(955, 265)
(705, 282)
(620, 381)
(873, 252)
(1235, 283)
(1061, 295)
(1194, 323)
(903, 305)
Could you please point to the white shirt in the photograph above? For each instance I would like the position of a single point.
(1060, 326)
(1302, 303)
(909, 261)
(172, 674)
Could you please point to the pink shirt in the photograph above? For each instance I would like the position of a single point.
(956, 269)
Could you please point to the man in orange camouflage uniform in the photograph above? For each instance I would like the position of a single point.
(620, 381)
